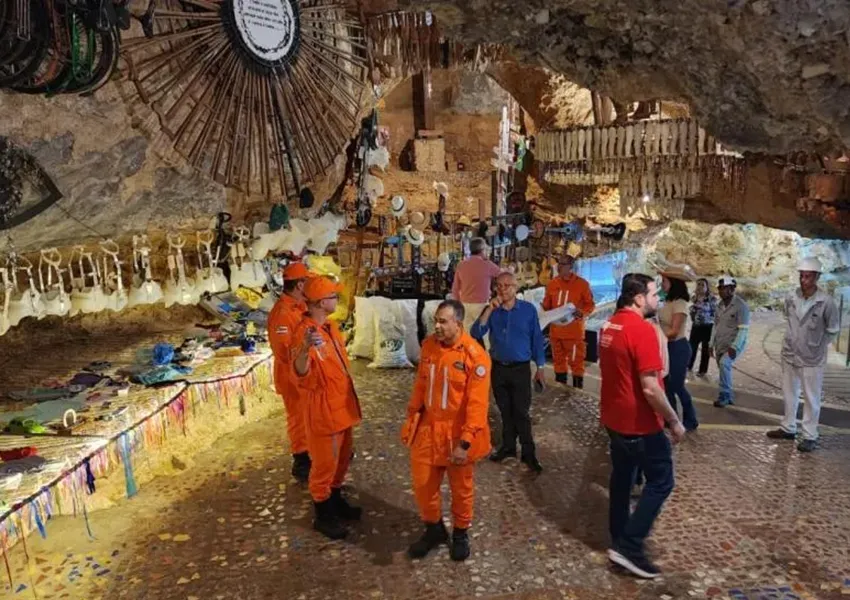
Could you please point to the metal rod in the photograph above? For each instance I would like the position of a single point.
(133, 45)
(277, 131)
(323, 131)
(265, 177)
(307, 159)
(238, 137)
(346, 74)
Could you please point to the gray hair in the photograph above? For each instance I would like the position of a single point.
(477, 245)
(456, 306)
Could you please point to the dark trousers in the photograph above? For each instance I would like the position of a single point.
(700, 336)
(652, 455)
(512, 390)
(674, 384)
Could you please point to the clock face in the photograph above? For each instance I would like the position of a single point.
(268, 29)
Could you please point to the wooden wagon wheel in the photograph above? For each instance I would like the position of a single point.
(261, 95)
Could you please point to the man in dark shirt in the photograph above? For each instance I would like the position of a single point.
(634, 409)
(515, 340)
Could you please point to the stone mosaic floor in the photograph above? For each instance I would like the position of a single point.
(749, 519)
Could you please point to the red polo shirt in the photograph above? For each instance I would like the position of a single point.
(628, 346)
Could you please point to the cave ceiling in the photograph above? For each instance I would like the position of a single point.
(766, 75)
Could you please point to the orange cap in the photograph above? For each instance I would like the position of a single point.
(296, 270)
(319, 288)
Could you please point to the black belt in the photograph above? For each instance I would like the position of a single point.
(511, 364)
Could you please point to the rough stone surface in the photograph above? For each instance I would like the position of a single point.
(739, 64)
(112, 183)
(764, 260)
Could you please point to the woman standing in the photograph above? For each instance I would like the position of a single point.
(673, 318)
(703, 309)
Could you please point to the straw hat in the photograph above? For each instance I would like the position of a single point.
(682, 272)
(398, 206)
(414, 236)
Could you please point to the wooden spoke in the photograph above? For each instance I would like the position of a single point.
(261, 95)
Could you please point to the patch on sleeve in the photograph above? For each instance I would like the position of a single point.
(282, 329)
(480, 371)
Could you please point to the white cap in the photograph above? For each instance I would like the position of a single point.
(810, 264)
(726, 280)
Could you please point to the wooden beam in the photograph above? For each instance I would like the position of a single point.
(423, 106)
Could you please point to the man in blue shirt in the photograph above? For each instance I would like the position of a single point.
(515, 340)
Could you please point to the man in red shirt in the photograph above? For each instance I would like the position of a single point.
(474, 276)
(634, 409)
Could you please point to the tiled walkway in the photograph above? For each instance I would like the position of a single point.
(750, 518)
(758, 370)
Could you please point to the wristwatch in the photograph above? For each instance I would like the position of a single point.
(464, 445)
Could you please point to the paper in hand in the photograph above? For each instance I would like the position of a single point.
(561, 315)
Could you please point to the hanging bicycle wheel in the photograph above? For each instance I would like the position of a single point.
(24, 45)
(261, 95)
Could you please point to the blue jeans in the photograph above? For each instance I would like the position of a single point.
(653, 456)
(724, 366)
(674, 384)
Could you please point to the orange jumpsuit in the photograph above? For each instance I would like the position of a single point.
(283, 319)
(449, 404)
(331, 407)
(568, 346)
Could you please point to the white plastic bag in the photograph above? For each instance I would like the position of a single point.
(428, 312)
(390, 352)
(411, 329)
(363, 343)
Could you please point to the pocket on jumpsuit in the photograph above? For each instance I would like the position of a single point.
(319, 415)
(814, 334)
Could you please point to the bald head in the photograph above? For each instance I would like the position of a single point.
(506, 287)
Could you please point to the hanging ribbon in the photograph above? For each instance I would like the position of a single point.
(89, 476)
(39, 523)
(124, 447)
(6, 561)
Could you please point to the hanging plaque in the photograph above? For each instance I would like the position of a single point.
(268, 29)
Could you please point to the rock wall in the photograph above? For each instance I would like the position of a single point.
(111, 180)
(763, 260)
(763, 75)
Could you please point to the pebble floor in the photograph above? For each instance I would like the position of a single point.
(749, 519)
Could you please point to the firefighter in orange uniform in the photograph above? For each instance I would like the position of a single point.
(567, 340)
(331, 406)
(447, 429)
(283, 319)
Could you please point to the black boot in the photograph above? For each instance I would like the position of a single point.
(501, 454)
(435, 534)
(532, 463)
(326, 522)
(301, 466)
(460, 545)
(343, 509)
(561, 378)
(578, 382)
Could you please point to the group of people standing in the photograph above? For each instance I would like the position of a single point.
(643, 364)
(633, 406)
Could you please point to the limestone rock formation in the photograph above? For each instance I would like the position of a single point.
(111, 181)
(765, 76)
(764, 260)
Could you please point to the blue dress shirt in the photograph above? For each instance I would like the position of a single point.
(515, 334)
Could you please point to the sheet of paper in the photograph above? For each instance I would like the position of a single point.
(561, 315)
